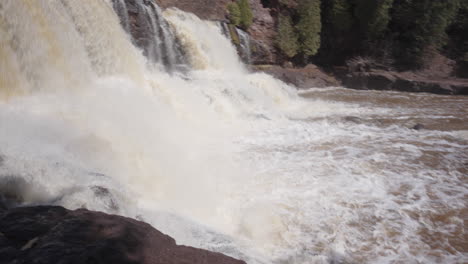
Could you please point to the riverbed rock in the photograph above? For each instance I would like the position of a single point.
(53, 234)
(310, 76)
(418, 127)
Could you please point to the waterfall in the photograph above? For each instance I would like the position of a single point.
(80, 107)
(157, 107)
(213, 52)
(240, 39)
(245, 45)
(244, 38)
(151, 32)
(120, 6)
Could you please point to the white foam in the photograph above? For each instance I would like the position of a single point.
(220, 158)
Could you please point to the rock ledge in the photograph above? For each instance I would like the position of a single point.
(52, 234)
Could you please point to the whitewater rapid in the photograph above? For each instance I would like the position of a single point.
(216, 156)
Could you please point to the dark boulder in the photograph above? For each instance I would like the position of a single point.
(52, 234)
(418, 127)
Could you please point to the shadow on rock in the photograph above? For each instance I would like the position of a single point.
(52, 234)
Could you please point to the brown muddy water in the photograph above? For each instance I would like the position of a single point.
(368, 177)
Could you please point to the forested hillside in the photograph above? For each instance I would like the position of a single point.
(405, 34)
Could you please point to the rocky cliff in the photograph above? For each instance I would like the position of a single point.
(263, 54)
(262, 31)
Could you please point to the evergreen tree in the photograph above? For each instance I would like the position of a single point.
(246, 16)
(340, 14)
(309, 26)
(287, 38)
(421, 24)
(458, 35)
(373, 17)
(234, 13)
(339, 36)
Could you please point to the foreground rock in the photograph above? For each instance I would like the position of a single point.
(51, 234)
(303, 78)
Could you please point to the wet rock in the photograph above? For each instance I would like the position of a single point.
(7, 252)
(12, 190)
(262, 30)
(418, 127)
(149, 31)
(308, 77)
(15, 190)
(52, 234)
(353, 119)
(412, 124)
(106, 196)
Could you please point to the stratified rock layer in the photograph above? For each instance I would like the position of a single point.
(52, 234)
(303, 78)
(405, 82)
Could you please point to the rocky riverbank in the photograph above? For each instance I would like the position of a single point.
(366, 74)
(266, 58)
(403, 81)
(303, 78)
(53, 234)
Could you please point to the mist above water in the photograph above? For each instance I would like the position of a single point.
(219, 157)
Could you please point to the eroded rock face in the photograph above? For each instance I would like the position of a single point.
(262, 31)
(365, 74)
(52, 234)
(303, 78)
(263, 34)
(143, 21)
(406, 82)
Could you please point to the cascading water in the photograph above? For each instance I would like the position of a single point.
(151, 32)
(244, 39)
(218, 157)
(120, 6)
(242, 42)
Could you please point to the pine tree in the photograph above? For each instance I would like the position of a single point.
(340, 14)
(309, 26)
(373, 17)
(234, 13)
(246, 16)
(458, 34)
(421, 24)
(287, 38)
